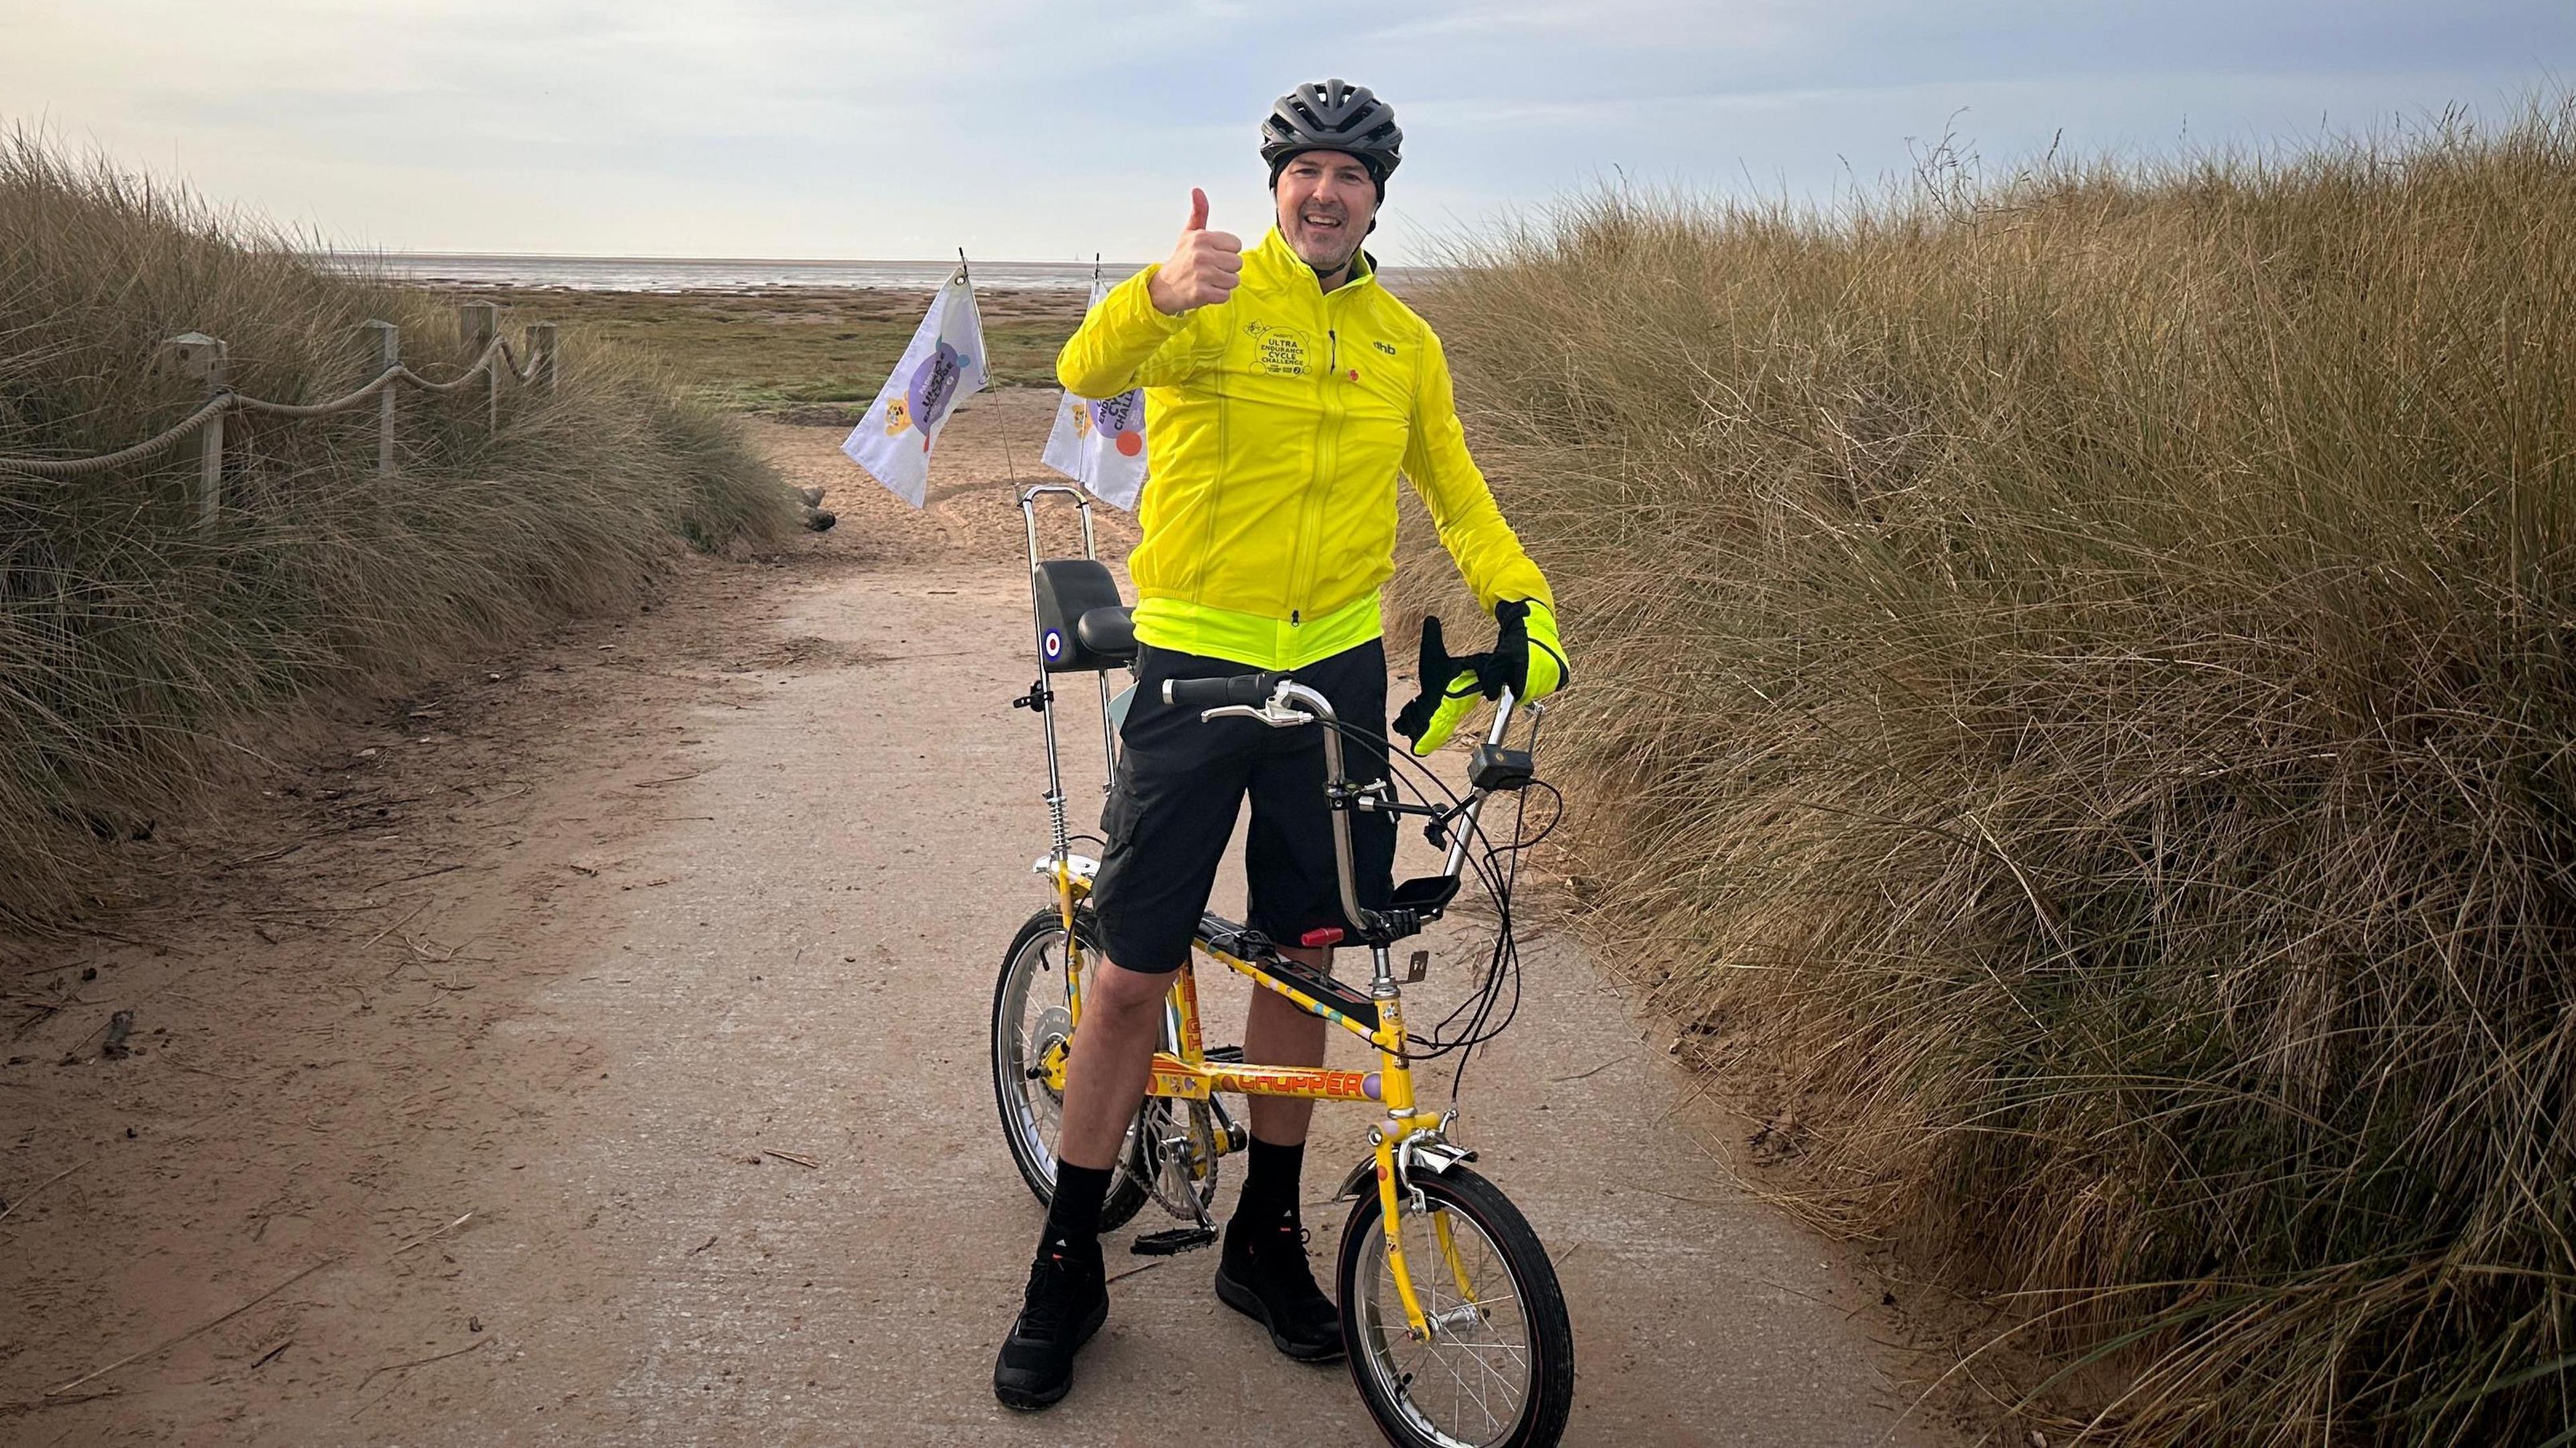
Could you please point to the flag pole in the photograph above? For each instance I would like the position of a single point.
(1009, 466)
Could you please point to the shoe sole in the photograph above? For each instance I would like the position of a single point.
(1019, 1401)
(1244, 1300)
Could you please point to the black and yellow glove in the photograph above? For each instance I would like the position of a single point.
(1527, 658)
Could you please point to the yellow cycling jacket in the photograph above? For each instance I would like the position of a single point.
(1277, 421)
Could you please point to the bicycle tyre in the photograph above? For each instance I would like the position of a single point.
(1373, 1327)
(1035, 956)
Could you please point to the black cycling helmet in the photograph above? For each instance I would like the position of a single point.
(1333, 116)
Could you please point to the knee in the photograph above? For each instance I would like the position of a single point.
(1125, 996)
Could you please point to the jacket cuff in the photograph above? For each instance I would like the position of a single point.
(1130, 305)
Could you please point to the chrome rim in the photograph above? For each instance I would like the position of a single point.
(1034, 1020)
(1467, 1386)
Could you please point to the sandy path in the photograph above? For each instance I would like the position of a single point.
(729, 879)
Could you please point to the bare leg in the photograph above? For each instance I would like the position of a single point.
(1277, 1033)
(1113, 1058)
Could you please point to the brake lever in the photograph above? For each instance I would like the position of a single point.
(1270, 714)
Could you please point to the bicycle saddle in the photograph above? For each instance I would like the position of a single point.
(1108, 633)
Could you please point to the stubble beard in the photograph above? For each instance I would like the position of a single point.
(1330, 252)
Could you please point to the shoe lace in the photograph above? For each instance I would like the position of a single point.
(1048, 1302)
(1286, 1266)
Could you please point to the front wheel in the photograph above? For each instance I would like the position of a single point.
(1029, 1020)
(1498, 1370)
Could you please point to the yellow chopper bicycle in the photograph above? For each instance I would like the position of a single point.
(1455, 1324)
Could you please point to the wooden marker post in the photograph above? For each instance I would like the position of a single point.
(541, 341)
(385, 341)
(480, 322)
(198, 356)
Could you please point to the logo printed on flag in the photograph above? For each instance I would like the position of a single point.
(1121, 419)
(944, 363)
(934, 386)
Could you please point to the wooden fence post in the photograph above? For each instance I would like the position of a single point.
(480, 322)
(541, 341)
(196, 355)
(475, 323)
(387, 340)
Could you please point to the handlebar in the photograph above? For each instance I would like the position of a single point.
(1281, 702)
(1245, 689)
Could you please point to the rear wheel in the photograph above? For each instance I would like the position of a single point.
(1030, 1019)
(1498, 1370)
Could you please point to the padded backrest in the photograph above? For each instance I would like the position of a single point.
(1066, 589)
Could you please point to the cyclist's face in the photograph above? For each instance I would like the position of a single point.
(1326, 202)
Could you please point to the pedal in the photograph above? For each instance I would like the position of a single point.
(1172, 1243)
(1225, 1055)
(1418, 968)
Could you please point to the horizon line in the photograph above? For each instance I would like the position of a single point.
(653, 257)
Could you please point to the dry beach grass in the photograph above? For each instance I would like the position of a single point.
(138, 647)
(2075, 691)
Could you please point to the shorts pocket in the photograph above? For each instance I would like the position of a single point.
(1122, 811)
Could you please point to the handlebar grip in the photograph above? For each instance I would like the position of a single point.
(1212, 693)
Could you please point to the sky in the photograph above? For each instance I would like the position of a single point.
(1042, 132)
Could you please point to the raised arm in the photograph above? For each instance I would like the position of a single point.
(1137, 335)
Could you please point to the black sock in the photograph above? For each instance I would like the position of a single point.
(1270, 1181)
(1073, 1218)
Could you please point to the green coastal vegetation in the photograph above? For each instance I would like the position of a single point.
(2075, 711)
(140, 647)
(815, 356)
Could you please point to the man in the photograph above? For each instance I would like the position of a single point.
(1287, 389)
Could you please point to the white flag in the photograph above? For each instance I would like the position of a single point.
(1101, 444)
(944, 363)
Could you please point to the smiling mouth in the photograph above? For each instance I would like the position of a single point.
(1321, 222)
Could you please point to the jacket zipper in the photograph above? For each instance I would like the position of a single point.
(1300, 562)
(1319, 484)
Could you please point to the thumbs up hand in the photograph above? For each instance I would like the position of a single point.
(1204, 268)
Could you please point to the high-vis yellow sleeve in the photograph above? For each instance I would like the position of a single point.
(1489, 554)
(1114, 348)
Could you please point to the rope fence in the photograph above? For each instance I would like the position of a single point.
(198, 356)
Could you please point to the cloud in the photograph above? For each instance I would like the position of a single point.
(1029, 129)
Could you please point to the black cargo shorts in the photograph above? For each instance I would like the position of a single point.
(1181, 783)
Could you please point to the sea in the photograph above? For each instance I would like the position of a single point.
(710, 274)
(735, 274)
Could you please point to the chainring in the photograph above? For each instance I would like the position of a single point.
(1173, 1151)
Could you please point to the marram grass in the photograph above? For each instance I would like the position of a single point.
(133, 644)
(2074, 687)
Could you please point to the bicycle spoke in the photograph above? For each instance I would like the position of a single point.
(1477, 1387)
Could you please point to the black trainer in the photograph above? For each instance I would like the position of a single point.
(1066, 1303)
(1264, 1276)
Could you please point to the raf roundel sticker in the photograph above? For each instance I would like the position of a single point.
(1054, 644)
